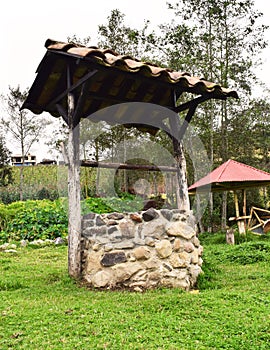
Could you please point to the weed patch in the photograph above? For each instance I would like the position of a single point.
(247, 253)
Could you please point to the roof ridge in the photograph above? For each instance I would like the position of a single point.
(250, 166)
(225, 166)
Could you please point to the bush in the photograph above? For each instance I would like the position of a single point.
(45, 219)
(128, 203)
(34, 220)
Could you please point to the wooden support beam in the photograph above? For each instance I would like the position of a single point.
(143, 167)
(72, 87)
(191, 106)
(191, 103)
(74, 189)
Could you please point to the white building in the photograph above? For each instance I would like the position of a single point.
(29, 159)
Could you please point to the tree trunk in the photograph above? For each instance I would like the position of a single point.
(21, 182)
(74, 209)
(21, 172)
(211, 208)
(224, 211)
(199, 213)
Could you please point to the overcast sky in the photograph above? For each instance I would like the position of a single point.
(25, 26)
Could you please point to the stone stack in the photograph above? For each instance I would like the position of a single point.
(138, 251)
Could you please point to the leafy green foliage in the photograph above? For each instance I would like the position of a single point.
(5, 170)
(128, 203)
(45, 219)
(32, 220)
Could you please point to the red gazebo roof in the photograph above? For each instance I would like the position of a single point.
(231, 175)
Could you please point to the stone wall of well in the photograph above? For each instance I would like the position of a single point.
(143, 250)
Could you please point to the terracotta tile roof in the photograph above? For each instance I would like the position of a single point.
(115, 79)
(108, 57)
(230, 175)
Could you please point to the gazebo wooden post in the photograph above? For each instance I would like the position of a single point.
(244, 192)
(240, 223)
(74, 191)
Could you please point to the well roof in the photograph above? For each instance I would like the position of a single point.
(108, 79)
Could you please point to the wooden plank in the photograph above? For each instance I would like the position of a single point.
(249, 220)
(263, 210)
(257, 216)
(255, 226)
(239, 217)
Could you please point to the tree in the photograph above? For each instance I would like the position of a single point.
(220, 40)
(24, 128)
(5, 169)
(123, 39)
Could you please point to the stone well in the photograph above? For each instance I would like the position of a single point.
(143, 250)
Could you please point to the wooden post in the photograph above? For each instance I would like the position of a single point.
(237, 213)
(244, 192)
(230, 236)
(240, 223)
(74, 191)
(182, 187)
(244, 202)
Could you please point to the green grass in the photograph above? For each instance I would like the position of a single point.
(42, 308)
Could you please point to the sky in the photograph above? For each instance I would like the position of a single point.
(26, 25)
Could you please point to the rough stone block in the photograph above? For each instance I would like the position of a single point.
(124, 271)
(135, 217)
(180, 229)
(127, 228)
(188, 247)
(178, 245)
(110, 259)
(164, 248)
(150, 241)
(115, 216)
(150, 215)
(87, 223)
(185, 258)
(167, 214)
(89, 216)
(103, 278)
(99, 221)
(124, 245)
(141, 253)
(154, 229)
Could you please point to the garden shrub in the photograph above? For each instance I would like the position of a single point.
(127, 203)
(32, 220)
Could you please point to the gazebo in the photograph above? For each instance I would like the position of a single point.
(75, 82)
(232, 176)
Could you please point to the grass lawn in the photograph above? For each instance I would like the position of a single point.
(42, 308)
